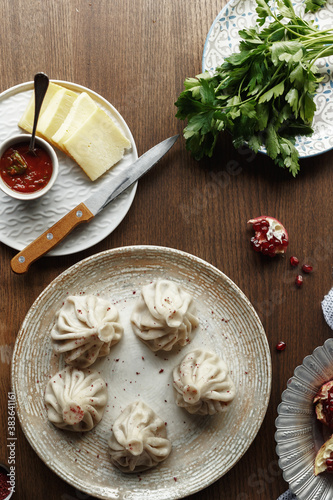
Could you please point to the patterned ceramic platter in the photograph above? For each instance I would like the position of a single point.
(223, 39)
(21, 222)
(203, 448)
(299, 435)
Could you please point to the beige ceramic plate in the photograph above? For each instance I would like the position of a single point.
(204, 448)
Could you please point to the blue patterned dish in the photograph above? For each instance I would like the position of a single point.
(223, 39)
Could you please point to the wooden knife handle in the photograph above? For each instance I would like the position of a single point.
(50, 238)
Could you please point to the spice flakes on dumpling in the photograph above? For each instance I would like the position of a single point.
(75, 399)
(86, 328)
(202, 383)
(164, 316)
(139, 439)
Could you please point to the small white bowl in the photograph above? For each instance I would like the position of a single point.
(55, 170)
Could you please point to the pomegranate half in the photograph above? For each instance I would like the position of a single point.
(324, 458)
(324, 404)
(270, 236)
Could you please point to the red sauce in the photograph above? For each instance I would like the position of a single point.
(24, 172)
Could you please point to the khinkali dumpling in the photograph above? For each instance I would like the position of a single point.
(202, 383)
(164, 315)
(139, 439)
(86, 328)
(75, 399)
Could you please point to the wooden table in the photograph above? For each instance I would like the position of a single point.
(137, 54)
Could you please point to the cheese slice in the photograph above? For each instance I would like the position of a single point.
(97, 145)
(81, 109)
(27, 119)
(55, 113)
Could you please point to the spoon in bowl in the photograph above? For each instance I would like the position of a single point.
(41, 83)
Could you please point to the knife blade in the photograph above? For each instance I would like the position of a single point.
(89, 208)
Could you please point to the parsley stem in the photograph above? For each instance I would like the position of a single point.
(321, 54)
(240, 86)
(220, 84)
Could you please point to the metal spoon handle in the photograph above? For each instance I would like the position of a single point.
(41, 83)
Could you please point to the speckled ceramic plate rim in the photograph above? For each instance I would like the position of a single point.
(77, 244)
(174, 492)
(215, 22)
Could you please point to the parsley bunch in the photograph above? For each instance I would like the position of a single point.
(264, 94)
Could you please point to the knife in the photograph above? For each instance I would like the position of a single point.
(89, 208)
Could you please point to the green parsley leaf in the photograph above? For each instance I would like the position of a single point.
(292, 99)
(289, 51)
(273, 92)
(263, 11)
(286, 9)
(314, 5)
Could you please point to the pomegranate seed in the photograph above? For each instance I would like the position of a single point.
(280, 346)
(257, 226)
(299, 280)
(255, 244)
(306, 268)
(294, 261)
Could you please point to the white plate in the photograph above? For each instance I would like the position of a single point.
(299, 435)
(204, 448)
(223, 39)
(21, 221)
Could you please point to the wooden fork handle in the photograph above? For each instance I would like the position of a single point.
(50, 238)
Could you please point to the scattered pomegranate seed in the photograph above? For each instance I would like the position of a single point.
(280, 346)
(299, 280)
(294, 261)
(306, 268)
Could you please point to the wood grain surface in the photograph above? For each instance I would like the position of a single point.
(137, 54)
